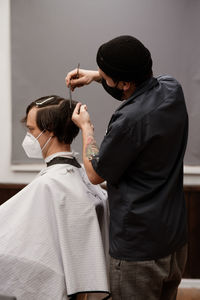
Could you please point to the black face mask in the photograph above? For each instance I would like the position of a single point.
(113, 91)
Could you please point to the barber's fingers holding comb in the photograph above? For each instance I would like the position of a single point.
(85, 78)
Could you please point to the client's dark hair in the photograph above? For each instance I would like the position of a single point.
(54, 114)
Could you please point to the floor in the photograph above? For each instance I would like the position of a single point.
(189, 289)
(188, 294)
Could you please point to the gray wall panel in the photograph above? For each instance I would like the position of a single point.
(49, 38)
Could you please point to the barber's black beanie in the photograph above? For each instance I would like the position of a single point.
(124, 58)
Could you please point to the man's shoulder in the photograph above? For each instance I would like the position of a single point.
(148, 101)
(167, 80)
(51, 175)
(41, 182)
(53, 184)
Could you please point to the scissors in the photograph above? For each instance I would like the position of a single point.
(70, 92)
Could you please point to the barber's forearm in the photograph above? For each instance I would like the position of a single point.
(97, 76)
(90, 149)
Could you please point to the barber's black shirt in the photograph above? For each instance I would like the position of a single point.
(141, 158)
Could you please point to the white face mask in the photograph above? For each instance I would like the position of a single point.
(32, 146)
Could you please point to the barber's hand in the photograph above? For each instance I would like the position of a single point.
(85, 78)
(81, 116)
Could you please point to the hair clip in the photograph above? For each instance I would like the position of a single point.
(44, 101)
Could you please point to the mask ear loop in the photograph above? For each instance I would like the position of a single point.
(40, 134)
(46, 143)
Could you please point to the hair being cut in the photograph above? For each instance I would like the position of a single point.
(54, 114)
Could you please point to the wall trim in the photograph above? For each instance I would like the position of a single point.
(191, 170)
(27, 167)
(190, 283)
(188, 170)
(191, 173)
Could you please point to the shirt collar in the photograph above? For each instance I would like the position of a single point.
(67, 154)
(140, 90)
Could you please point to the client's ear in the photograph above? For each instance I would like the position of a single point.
(49, 133)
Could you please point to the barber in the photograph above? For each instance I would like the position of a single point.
(141, 159)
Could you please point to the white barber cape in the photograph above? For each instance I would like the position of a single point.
(54, 238)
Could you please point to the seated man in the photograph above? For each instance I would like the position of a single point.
(53, 233)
